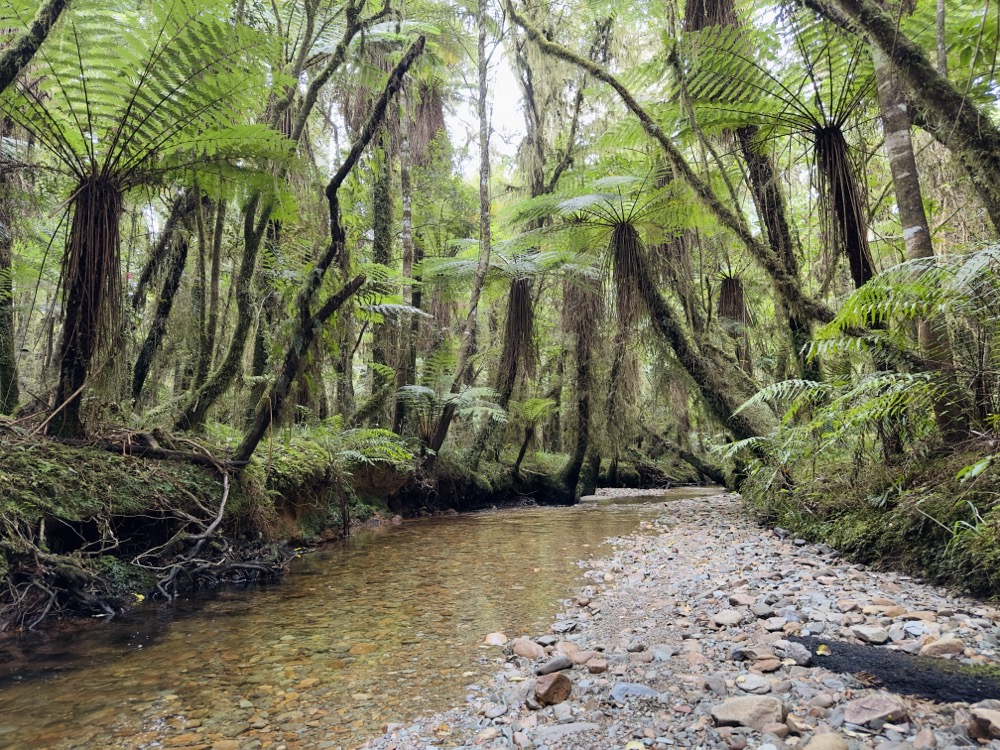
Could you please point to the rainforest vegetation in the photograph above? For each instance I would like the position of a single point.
(265, 266)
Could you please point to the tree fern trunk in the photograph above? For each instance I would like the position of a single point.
(9, 388)
(92, 283)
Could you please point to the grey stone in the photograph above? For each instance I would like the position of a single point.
(623, 690)
(874, 708)
(557, 664)
(753, 683)
(794, 651)
(752, 711)
(870, 634)
(560, 731)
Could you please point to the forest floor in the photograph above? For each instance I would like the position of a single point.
(705, 630)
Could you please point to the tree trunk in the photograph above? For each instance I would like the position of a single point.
(471, 320)
(773, 210)
(376, 411)
(158, 328)
(407, 339)
(203, 398)
(207, 354)
(19, 53)
(9, 388)
(270, 408)
(934, 343)
(92, 283)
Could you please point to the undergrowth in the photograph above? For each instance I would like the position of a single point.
(924, 515)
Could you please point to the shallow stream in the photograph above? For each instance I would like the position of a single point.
(381, 629)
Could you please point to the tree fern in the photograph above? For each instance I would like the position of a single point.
(127, 98)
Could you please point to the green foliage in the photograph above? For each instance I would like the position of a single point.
(138, 95)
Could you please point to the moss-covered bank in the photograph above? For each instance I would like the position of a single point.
(84, 530)
(932, 515)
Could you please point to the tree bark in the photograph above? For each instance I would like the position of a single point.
(934, 343)
(19, 53)
(270, 408)
(193, 415)
(158, 328)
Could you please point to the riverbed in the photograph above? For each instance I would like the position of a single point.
(381, 629)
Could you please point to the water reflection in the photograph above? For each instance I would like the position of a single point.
(398, 612)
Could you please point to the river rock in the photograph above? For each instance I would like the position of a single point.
(495, 639)
(827, 741)
(947, 646)
(597, 666)
(564, 626)
(566, 648)
(557, 732)
(876, 707)
(556, 664)
(623, 690)
(553, 688)
(870, 634)
(750, 711)
(727, 617)
(794, 651)
(753, 683)
(528, 649)
(582, 657)
(985, 724)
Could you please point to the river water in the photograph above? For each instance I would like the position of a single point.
(383, 628)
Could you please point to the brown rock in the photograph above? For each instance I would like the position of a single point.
(597, 665)
(553, 688)
(947, 646)
(876, 707)
(309, 682)
(528, 649)
(226, 745)
(883, 602)
(772, 664)
(566, 648)
(777, 729)
(797, 725)
(987, 721)
(495, 639)
(925, 740)
(582, 657)
(921, 614)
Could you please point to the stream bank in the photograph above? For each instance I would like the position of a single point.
(690, 628)
(85, 531)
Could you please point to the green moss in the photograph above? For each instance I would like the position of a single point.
(918, 517)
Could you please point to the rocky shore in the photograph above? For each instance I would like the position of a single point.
(706, 631)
